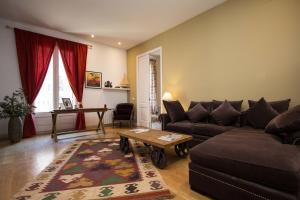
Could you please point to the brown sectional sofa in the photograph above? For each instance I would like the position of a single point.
(240, 162)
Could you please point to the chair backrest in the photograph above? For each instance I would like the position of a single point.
(124, 108)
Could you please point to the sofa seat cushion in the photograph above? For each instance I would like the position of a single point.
(210, 130)
(181, 127)
(257, 157)
(247, 129)
(204, 129)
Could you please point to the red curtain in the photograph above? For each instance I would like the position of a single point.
(74, 58)
(34, 55)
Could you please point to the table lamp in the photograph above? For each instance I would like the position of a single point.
(167, 96)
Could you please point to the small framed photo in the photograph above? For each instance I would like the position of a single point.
(93, 79)
(67, 103)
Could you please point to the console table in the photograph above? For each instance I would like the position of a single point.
(100, 112)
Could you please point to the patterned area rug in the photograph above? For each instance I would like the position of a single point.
(96, 169)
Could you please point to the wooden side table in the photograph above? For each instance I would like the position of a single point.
(100, 112)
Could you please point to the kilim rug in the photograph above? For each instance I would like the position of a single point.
(96, 169)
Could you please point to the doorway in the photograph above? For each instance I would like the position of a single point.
(149, 88)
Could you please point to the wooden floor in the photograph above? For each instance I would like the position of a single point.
(21, 162)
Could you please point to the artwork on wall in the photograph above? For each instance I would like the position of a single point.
(67, 103)
(93, 79)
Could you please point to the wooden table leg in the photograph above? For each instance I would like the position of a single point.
(100, 124)
(53, 134)
(98, 127)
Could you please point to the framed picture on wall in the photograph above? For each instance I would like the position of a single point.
(93, 79)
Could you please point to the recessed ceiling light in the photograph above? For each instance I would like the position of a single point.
(92, 36)
(119, 43)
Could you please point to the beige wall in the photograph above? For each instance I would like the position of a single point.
(242, 49)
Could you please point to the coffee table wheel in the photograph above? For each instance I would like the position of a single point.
(147, 145)
(124, 145)
(159, 158)
(182, 150)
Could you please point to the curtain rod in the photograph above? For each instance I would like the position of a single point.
(10, 27)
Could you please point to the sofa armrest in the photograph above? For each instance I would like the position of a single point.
(164, 119)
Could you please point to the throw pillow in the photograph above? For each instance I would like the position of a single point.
(197, 113)
(280, 106)
(236, 104)
(260, 114)
(286, 122)
(225, 114)
(205, 104)
(175, 110)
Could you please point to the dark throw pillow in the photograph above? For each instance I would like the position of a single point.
(280, 106)
(286, 122)
(197, 113)
(260, 114)
(236, 104)
(225, 114)
(175, 110)
(206, 104)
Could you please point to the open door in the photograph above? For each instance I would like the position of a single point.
(143, 91)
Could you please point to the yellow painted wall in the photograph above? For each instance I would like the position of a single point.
(242, 49)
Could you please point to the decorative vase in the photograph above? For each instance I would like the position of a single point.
(15, 129)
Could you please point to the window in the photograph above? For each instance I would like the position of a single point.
(55, 86)
(44, 102)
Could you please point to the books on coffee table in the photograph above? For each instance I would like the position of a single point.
(140, 130)
(170, 137)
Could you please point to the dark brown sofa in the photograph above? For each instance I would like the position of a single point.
(240, 162)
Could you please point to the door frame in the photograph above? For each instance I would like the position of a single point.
(161, 74)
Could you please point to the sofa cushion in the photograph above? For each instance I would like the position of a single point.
(225, 114)
(201, 129)
(260, 114)
(181, 127)
(175, 110)
(280, 106)
(288, 121)
(236, 104)
(206, 104)
(255, 157)
(210, 130)
(197, 113)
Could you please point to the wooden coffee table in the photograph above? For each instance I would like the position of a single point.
(157, 146)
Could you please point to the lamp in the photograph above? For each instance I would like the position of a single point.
(167, 96)
(124, 83)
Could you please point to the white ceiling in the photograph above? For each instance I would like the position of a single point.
(128, 21)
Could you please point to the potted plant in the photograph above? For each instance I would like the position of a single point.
(15, 108)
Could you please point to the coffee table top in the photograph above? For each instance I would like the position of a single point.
(151, 137)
